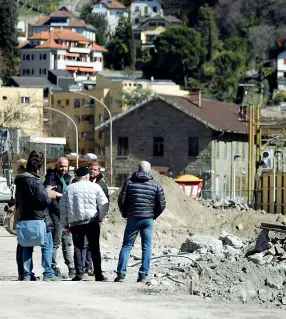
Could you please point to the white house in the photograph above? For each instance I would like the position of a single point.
(61, 50)
(281, 71)
(145, 8)
(113, 11)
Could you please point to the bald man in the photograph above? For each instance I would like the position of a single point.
(60, 179)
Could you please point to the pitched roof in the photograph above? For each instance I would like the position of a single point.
(97, 47)
(113, 4)
(219, 116)
(71, 19)
(50, 43)
(60, 34)
(33, 82)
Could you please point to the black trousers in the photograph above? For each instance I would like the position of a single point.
(19, 259)
(92, 232)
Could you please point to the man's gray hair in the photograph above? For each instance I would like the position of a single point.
(144, 166)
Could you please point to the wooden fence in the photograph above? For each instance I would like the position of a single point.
(264, 193)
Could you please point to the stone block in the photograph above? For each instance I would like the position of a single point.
(196, 242)
(274, 281)
(233, 241)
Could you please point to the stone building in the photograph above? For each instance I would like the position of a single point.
(181, 135)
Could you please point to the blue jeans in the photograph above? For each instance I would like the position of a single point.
(47, 251)
(133, 227)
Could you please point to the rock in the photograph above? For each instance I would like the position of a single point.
(159, 275)
(267, 259)
(210, 243)
(279, 250)
(264, 295)
(233, 241)
(223, 235)
(202, 251)
(230, 251)
(217, 205)
(283, 301)
(239, 227)
(135, 257)
(274, 281)
(256, 258)
(281, 220)
(239, 292)
(169, 274)
(152, 282)
(262, 241)
(174, 251)
(166, 283)
(272, 251)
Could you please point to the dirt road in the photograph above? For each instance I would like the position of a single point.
(89, 299)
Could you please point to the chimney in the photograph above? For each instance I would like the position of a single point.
(195, 97)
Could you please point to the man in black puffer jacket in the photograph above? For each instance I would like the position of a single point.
(141, 200)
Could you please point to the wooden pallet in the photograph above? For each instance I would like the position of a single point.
(274, 227)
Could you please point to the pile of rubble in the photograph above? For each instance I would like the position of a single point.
(227, 268)
(226, 205)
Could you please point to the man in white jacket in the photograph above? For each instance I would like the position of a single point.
(82, 208)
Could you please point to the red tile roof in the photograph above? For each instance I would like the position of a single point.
(113, 4)
(96, 47)
(60, 34)
(50, 43)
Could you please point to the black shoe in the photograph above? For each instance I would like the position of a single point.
(142, 278)
(101, 278)
(57, 272)
(72, 273)
(20, 277)
(77, 278)
(119, 278)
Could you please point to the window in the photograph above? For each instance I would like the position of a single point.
(100, 135)
(33, 71)
(136, 21)
(193, 149)
(137, 36)
(33, 56)
(83, 102)
(25, 99)
(24, 72)
(136, 9)
(4, 98)
(59, 57)
(40, 71)
(158, 146)
(44, 71)
(28, 71)
(100, 117)
(161, 24)
(17, 116)
(76, 103)
(28, 57)
(284, 61)
(67, 102)
(146, 10)
(155, 9)
(24, 57)
(122, 146)
(152, 24)
(44, 56)
(59, 104)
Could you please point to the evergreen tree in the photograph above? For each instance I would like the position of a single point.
(131, 57)
(208, 30)
(8, 36)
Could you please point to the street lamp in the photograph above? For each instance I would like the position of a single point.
(233, 175)
(75, 126)
(110, 132)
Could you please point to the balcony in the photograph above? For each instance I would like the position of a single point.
(79, 50)
(80, 64)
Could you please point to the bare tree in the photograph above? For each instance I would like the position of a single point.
(262, 39)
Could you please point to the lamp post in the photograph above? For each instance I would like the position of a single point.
(277, 152)
(110, 131)
(233, 175)
(75, 126)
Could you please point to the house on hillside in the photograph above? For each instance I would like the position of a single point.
(181, 135)
(63, 50)
(149, 28)
(145, 8)
(112, 10)
(281, 71)
(67, 21)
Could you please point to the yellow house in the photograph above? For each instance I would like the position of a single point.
(89, 113)
(22, 108)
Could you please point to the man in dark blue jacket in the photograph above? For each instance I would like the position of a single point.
(32, 201)
(141, 200)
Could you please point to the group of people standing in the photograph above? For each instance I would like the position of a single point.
(73, 209)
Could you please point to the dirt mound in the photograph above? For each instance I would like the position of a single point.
(182, 216)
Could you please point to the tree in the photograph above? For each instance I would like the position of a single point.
(178, 51)
(262, 39)
(208, 30)
(9, 36)
(99, 21)
(135, 96)
(121, 47)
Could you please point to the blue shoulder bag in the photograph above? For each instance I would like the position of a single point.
(31, 233)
